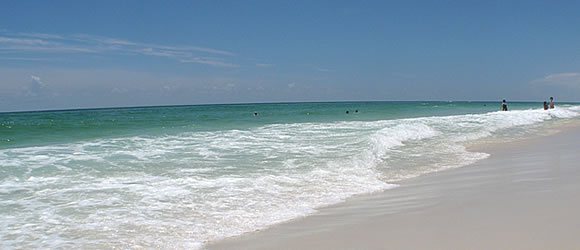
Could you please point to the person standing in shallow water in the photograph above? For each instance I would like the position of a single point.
(504, 106)
(545, 105)
(551, 102)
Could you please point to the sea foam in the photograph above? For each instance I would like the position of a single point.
(184, 190)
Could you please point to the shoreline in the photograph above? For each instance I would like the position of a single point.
(523, 196)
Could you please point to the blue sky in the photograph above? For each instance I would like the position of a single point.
(80, 54)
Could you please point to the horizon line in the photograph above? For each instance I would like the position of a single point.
(250, 103)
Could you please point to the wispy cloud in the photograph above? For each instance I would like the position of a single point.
(48, 49)
(41, 35)
(324, 70)
(570, 79)
(23, 41)
(200, 49)
(120, 42)
(7, 58)
(209, 61)
(84, 43)
(264, 65)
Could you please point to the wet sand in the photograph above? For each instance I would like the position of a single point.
(526, 195)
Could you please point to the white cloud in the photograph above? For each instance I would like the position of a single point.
(23, 58)
(37, 82)
(83, 43)
(324, 70)
(230, 86)
(562, 76)
(163, 53)
(35, 86)
(41, 35)
(264, 65)
(209, 61)
(115, 41)
(570, 79)
(291, 85)
(193, 48)
(23, 41)
(119, 90)
(49, 49)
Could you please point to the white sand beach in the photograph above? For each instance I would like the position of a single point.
(526, 195)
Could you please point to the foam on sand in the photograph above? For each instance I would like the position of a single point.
(524, 196)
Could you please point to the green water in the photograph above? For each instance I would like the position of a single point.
(47, 127)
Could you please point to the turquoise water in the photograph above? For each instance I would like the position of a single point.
(49, 127)
(179, 177)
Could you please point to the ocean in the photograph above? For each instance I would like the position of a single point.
(182, 176)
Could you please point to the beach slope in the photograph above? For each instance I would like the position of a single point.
(526, 195)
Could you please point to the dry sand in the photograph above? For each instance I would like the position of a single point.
(526, 195)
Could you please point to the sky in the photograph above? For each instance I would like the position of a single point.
(91, 54)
